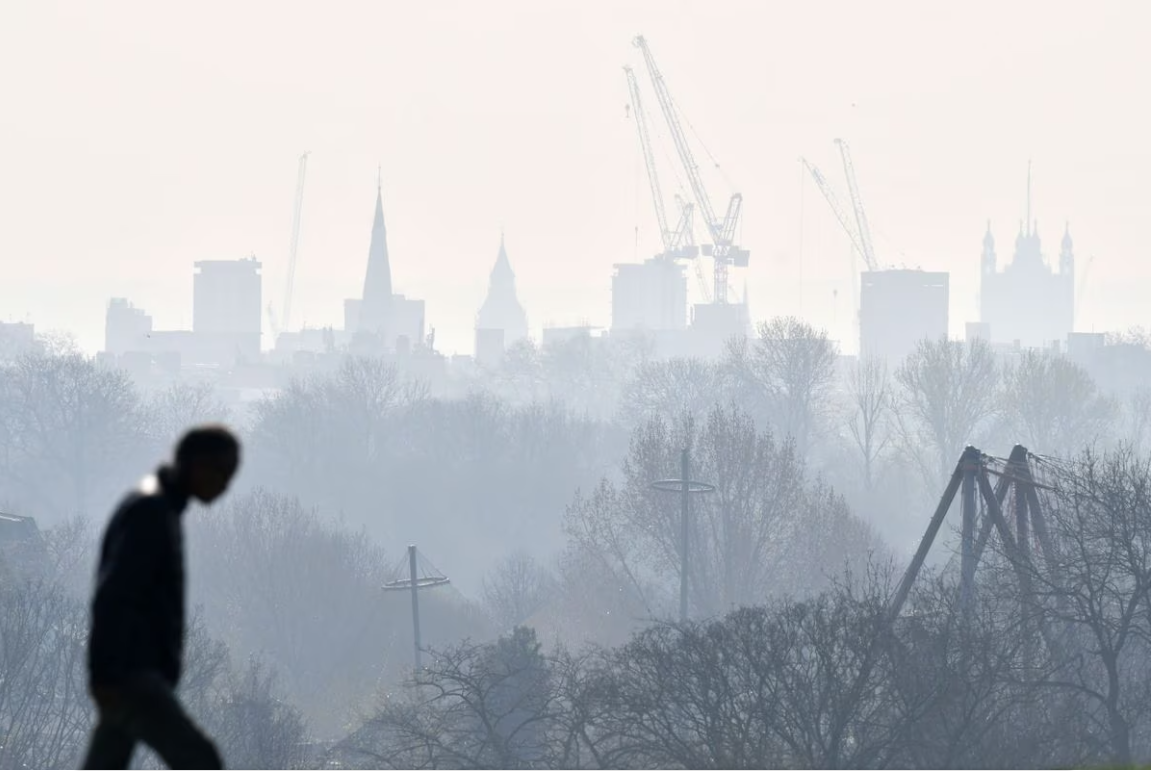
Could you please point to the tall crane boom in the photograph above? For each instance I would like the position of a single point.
(864, 229)
(722, 232)
(286, 319)
(849, 228)
(836, 208)
(648, 158)
(677, 136)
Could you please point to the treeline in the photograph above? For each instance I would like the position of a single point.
(1049, 666)
(532, 490)
(287, 584)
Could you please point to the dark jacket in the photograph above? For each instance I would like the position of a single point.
(138, 609)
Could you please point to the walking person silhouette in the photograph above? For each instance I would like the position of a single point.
(135, 649)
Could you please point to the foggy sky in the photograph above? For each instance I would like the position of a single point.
(141, 137)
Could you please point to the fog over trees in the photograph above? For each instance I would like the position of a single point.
(557, 642)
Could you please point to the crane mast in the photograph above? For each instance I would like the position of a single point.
(648, 158)
(677, 136)
(848, 228)
(286, 320)
(722, 232)
(864, 229)
(677, 244)
(836, 207)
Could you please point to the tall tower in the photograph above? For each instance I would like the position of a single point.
(501, 309)
(1066, 253)
(1067, 270)
(988, 259)
(376, 306)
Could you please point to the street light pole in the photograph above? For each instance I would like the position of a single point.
(684, 535)
(685, 486)
(415, 580)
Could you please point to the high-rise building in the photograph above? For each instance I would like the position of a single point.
(649, 296)
(226, 307)
(126, 327)
(501, 309)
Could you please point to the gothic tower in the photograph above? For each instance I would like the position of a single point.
(988, 260)
(501, 308)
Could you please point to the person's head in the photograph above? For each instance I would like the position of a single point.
(207, 458)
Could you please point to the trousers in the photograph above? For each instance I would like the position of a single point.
(146, 710)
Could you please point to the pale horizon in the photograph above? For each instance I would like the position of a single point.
(141, 139)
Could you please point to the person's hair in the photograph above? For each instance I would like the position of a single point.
(206, 441)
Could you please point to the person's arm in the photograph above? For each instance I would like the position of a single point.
(127, 570)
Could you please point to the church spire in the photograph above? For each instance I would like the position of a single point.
(1028, 220)
(377, 300)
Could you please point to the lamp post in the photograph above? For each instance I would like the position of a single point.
(414, 582)
(685, 486)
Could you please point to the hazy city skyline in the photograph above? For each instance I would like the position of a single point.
(142, 140)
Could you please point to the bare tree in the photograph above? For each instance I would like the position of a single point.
(672, 389)
(947, 393)
(764, 531)
(1052, 405)
(253, 724)
(1097, 583)
(871, 394)
(44, 715)
(324, 438)
(474, 706)
(520, 377)
(72, 428)
(1136, 415)
(790, 368)
(517, 588)
(171, 411)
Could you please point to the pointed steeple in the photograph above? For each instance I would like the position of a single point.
(988, 260)
(501, 308)
(1028, 220)
(502, 272)
(375, 307)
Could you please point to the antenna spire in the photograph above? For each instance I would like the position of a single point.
(1030, 231)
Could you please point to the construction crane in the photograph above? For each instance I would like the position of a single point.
(833, 202)
(849, 228)
(722, 248)
(283, 322)
(677, 243)
(864, 229)
(292, 249)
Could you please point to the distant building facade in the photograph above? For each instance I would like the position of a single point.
(226, 308)
(650, 296)
(16, 338)
(900, 308)
(715, 325)
(126, 327)
(1028, 303)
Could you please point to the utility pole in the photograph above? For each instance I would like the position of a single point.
(413, 582)
(685, 486)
